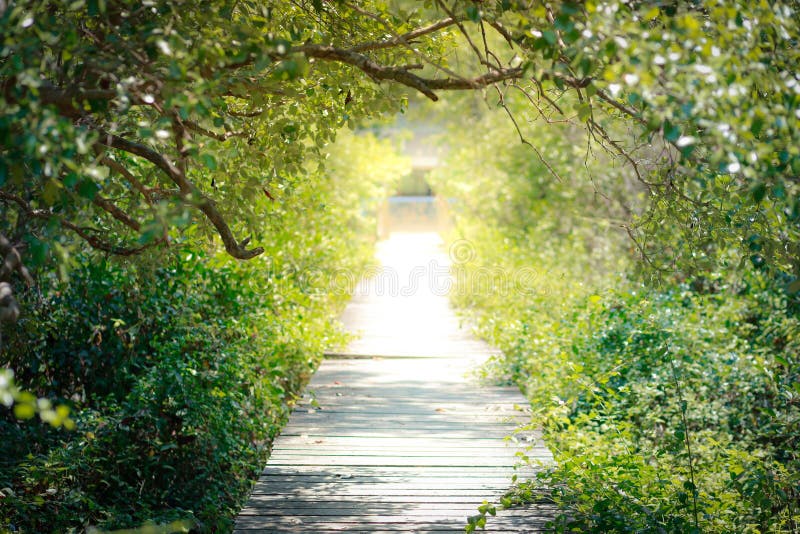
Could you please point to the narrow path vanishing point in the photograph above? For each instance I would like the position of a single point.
(398, 439)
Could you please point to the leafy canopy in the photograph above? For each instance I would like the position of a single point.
(134, 124)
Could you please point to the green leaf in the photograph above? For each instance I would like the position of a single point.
(70, 180)
(585, 67)
(757, 260)
(209, 161)
(759, 191)
(671, 132)
(88, 189)
(794, 287)
(584, 111)
(756, 126)
(51, 192)
(24, 410)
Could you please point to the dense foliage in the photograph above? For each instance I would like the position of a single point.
(135, 126)
(669, 406)
(179, 373)
(699, 100)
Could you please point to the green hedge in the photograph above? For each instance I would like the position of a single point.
(666, 387)
(672, 408)
(179, 380)
(181, 367)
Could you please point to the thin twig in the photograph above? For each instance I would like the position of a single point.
(403, 39)
(522, 138)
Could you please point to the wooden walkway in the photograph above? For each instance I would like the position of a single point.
(393, 435)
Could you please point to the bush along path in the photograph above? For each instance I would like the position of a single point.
(391, 436)
(178, 368)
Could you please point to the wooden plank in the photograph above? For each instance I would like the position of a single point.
(454, 393)
(531, 523)
(416, 482)
(380, 473)
(389, 529)
(403, 517)
(265, 500)
(407, 409)
(394, 441)
(495, 527)
(388, 414)
(410, 428)
(344, 406)
(455, 432)
(324, 461)
(299, 452)
(395, 451)
(367, 509)
(424, 494)
(473, 452)
(511, 418)
(415, 462)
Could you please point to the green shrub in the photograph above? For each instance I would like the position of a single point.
(677, 412)
(667, 388)
(667, 409)
(180, 368)
(187, 376)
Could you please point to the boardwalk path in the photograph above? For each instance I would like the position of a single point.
(398, 439)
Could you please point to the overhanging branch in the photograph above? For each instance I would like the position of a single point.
(189, 192)
(406, 37)
(116, 212)
(402, 75)
(93, 240)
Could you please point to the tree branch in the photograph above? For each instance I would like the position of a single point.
(622, 107)
(463, 30)
(368, 66)
(147, 192)
(404, 38)
(401, 39)
(67, 100)
(116, 212)
(188, 191)
(93, 240)
(522, 138)
(193, 126)
(489, 78)
(402, 75)
(12, 261)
